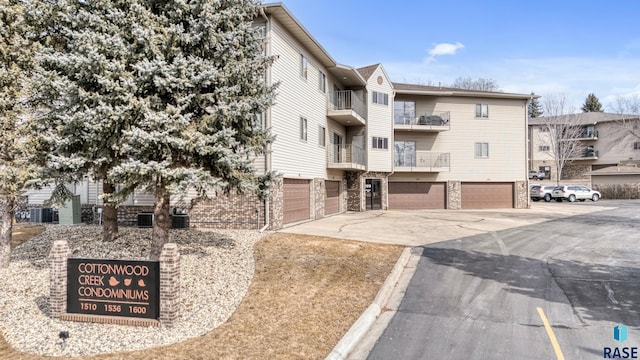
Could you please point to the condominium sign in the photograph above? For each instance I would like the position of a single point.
(113, 287)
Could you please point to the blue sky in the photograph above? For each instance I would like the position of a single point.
(548, 47)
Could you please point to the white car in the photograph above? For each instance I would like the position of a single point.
(574, 192)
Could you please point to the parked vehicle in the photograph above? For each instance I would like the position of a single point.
(536, 175)
(538, 192)
(574, 192)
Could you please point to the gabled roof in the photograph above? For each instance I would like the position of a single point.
(589, 118)
(412, 89)
(617, 170)
(346, 74)
(367, 71)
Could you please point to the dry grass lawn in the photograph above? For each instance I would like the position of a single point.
(306, 293)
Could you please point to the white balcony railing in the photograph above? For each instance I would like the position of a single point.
(345, 157)
(422, 161)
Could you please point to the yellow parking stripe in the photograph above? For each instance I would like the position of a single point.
(552, 337)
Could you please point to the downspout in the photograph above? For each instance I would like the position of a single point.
(267, 155)
(528, 147)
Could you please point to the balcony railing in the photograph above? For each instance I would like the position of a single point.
(345, 157)
(426, 122)
(588, 154)
(422, 161)
(346, 107)
(588, 135)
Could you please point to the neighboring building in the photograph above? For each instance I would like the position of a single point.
(349, 139)
(605, 141)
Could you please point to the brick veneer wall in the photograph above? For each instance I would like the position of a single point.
(233, 211)
(169, 289)
(276, 200)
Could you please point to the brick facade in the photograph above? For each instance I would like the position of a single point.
(317, 187)
(521, 195)
(354, 191)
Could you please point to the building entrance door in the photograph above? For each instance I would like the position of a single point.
(374, 198)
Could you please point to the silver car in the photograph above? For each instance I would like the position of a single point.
(574, 192)
(538, 192)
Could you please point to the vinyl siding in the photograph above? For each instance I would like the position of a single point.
(296, 97)
(504, 130)
(379, 123)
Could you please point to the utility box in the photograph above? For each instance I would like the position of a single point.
(71, 212)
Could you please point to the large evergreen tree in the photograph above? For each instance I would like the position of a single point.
(86, 84)
(158, 95)
(592, 104)
(18, 167)
(534, 108)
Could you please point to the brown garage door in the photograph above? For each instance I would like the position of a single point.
(487, 195)
(331, 197)
(296, 204)
(416, 195)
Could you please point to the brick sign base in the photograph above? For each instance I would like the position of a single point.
(169, 293)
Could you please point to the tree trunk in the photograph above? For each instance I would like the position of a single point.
(109, 214)
(161, 224)
(5, 233)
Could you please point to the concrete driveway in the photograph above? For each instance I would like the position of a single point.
(422, 227)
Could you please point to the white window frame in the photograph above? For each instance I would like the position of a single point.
(322, 81)
(304, 67)
(380, 98)
(303, 128)
(378, 142)
(481, 150)
(636, 145)
(482, 111)
(322, 136)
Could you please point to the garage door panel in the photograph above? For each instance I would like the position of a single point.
(296, 200)
(487, 195)
(332, 197)
(416, 195)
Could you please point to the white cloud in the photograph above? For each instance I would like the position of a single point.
(444, 49)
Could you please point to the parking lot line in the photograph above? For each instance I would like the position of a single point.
(552, 337)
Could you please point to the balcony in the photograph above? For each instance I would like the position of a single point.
(346, 108)
(427, 123)
(588, 135)
(345, 157)
(589, 154)
(423, 161)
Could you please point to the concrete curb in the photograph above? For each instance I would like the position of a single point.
(369, 316)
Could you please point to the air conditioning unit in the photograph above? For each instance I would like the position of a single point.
(145, 220)
(41, 215)
(179, 221)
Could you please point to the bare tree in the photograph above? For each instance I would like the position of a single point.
(628, 125)
(561, 130)
(480, 84)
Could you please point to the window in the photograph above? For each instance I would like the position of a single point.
(322, 85)
(482, 110)
(404, 153)
(322, 136)
(303, 129)
(482, 150)
(636, 145)
(258, 121)
(404, 112)
(543, 148)
(544, 129)
(304, 66)
(379, 98)
(337, 148)
(380, 143)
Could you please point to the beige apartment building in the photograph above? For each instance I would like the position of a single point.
(605, 141)
(350, 139)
